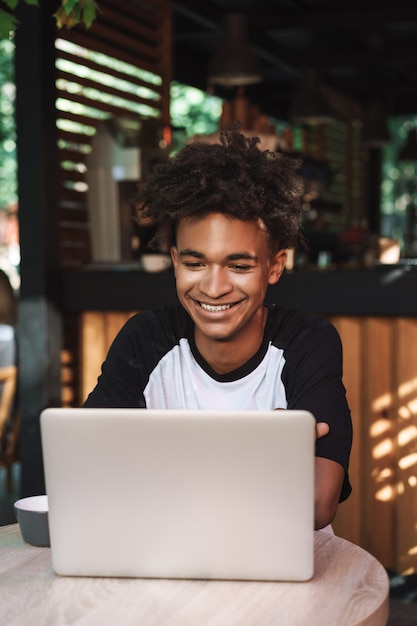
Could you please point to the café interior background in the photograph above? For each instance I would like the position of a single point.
(336, 85)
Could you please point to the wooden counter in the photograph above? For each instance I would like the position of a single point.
(381, 291)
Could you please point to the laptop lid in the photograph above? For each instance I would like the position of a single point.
(180, 493)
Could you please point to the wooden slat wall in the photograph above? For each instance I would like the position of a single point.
(126, 32)
(379, 360)
(349, 522)
(370, 382)
(405, 450)
(380, 375)
(339, 144)
(135, 33)
(70, 359)
(97, 331)
(384, 353)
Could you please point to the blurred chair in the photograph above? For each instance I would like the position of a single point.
(9, 421)
(9, 418)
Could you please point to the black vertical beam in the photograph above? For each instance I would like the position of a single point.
(39, 333)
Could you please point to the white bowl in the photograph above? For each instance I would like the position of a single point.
(32, 515)
(155, 262)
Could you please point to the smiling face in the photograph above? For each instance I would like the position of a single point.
(223, 267)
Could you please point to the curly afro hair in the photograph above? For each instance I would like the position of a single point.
(233, 177)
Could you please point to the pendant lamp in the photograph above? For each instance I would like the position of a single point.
(234, 62)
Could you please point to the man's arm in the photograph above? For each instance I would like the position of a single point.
(329, 477)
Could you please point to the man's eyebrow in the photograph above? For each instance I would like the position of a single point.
(235, 256)
(191, 252)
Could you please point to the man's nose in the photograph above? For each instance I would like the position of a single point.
(216, 282)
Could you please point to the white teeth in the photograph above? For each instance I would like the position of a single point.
(210, 307)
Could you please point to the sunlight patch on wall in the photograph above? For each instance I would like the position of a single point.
(382, 449)
(379, 427)
(412, 405)
(382, 475)
(407, 388)
(407, 435)
(412, 481)
(408, 461)
(381, 403)
(404, 412)
(386, 494)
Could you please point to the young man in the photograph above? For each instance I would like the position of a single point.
(230, 212)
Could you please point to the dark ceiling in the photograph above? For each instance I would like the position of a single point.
(366, 50)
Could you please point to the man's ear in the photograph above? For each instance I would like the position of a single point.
(277, 266)
(174, 257)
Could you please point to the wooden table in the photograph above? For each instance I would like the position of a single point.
(349, 588)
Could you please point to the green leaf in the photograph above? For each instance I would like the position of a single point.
(11, 4)
(90, 11)
(8, 23)
(70, 5)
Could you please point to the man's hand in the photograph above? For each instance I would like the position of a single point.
(328, 483)
(321, 429)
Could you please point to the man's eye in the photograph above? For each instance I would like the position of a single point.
(193, 264)
(240, 267)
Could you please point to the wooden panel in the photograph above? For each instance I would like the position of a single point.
(97, 67)
(378, 436)
(348, 522)
(92, 349)
(406, 449)
(85, 40)
(124, 32)
(114, 321)
(91, 83)
(97, 331)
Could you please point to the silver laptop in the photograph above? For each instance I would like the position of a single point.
(180, 493)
